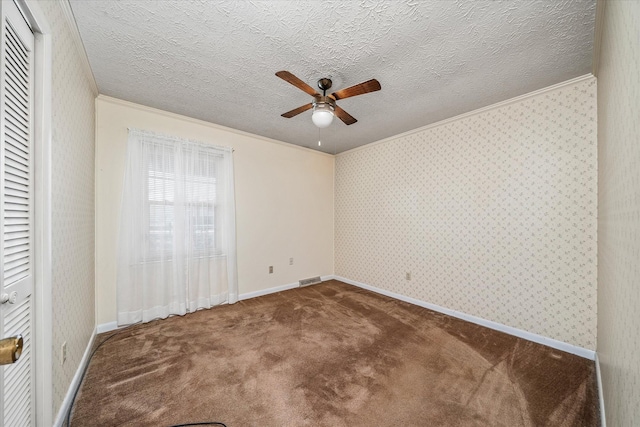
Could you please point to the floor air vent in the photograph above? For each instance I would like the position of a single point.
(310, 281)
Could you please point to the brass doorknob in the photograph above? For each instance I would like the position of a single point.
(10, 349)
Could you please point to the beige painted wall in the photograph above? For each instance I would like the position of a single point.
(72, 216)
(619, 212)
(284, 200)
(494, 214)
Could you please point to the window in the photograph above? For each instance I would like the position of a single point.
(195, 192)
(177, 228)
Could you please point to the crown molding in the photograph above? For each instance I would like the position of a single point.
(510, 101)
(597, 36)
(77, 40)
(199, 122)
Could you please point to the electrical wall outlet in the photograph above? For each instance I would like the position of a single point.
(290, 261)
(63, 352)
(270, 269)
(408, 275)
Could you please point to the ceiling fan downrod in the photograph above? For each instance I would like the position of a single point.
(324, 84)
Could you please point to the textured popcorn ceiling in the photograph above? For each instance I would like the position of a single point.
(216, 61)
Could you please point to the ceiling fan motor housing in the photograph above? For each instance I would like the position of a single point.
(321, 101)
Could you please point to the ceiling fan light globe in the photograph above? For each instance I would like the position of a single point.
(322, 118)
(322, 115)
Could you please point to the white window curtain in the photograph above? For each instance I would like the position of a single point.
(177, 245)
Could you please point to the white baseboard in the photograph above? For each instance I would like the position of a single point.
(75, 383)
(603, 419)
(268, 291)
(277, 289)
(106, 327)
(112, 326)
(549, 342)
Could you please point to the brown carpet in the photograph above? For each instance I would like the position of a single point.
(331, 355)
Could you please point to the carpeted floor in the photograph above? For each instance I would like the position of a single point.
(331, 355)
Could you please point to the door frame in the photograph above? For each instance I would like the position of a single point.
(42, 308)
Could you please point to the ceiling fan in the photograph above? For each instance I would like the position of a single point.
(324, 106)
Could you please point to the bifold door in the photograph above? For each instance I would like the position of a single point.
(16, 221)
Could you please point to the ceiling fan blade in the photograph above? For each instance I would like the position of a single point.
(297, 111)
(344, 116)
(359, 89)
(290, 78)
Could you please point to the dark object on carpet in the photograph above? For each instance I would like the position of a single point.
(331, 355)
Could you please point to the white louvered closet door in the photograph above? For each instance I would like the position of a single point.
(16, 201)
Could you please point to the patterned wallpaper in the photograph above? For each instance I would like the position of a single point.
(494, 214)
(619, 212)
(72, 202)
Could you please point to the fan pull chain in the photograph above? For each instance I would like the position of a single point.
(319, 140)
